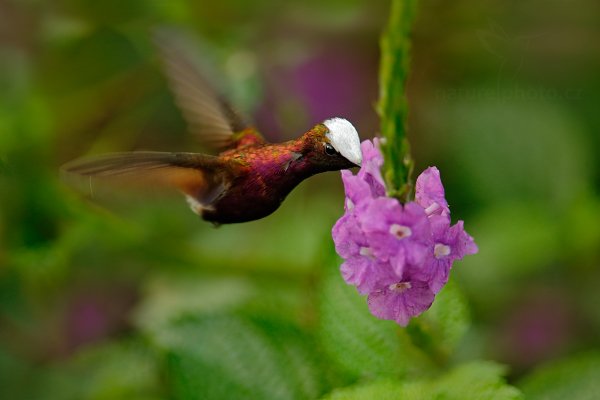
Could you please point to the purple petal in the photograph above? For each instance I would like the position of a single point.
(403, 304)
(396, 233)
(371, 152)
(379, 215)
(460, 241)
(367, 274)
(450, 244)
(347, 236)
(439, 226)
(465, 242)
(436, 272)
(415, 216)
(375, 182)
(398, 262)
(370, 172)
(356, 189)
(429, 192)
(400, 255)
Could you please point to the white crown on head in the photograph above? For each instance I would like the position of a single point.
(344, 138)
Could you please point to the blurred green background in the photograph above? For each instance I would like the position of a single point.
(130, 295)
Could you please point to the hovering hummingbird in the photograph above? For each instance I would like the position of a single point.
(249, 177)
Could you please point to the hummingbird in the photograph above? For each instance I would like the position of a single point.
(248, 178)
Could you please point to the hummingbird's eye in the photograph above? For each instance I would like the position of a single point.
(329, 149)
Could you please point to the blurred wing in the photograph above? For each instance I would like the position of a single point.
(194, 174)
(209, 116)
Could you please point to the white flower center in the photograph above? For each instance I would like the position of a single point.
(349, 204)
(400, 231)
(400, 287)
(441, 250)
(367, 252)
(432, 208)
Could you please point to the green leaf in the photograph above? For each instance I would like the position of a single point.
(525, 238)
(355, 340)
(577, 378)
(277, 245)
(75, 65)
(476, 140)
(380, 390)
(479, 380)
(220, 357)
(15, 374)
(117, 371)
(473, 381)
(168, 299)
(580, 232)
(440, 329)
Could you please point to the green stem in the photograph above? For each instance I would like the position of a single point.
(392, 106)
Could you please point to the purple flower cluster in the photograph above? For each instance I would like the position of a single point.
(399, 255)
